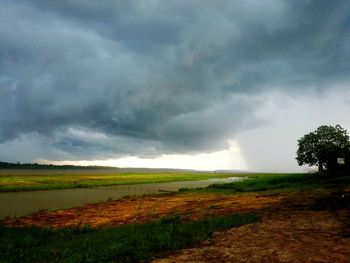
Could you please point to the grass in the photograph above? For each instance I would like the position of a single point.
(31, 180)
(128, 243)
(276, 182)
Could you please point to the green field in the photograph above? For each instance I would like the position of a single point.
(278, 182)
(28, 180)
(128, 243)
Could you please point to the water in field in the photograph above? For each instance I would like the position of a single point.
(15, 204)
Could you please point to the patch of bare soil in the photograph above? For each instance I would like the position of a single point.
(142, 209)
(290, 232)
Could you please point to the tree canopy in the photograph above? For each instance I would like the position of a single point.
(323, 148)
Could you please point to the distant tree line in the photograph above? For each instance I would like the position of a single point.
(18, 165)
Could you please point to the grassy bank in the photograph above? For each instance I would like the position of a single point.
(128, 243)
(278, 182)
(29, 180)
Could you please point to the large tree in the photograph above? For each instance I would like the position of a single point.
(323, 147)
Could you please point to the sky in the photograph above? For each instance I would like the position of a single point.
(179, 84)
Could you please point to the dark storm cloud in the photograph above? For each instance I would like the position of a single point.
(92, 79)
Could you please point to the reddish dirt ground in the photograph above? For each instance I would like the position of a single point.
(288, 231)
(143, 209)
(302, 236)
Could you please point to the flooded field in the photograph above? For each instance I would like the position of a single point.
(15, 204)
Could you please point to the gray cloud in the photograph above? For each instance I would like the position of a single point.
(149, 77)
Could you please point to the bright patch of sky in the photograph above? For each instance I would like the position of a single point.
(228, 159)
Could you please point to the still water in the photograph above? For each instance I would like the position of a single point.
(15, 204)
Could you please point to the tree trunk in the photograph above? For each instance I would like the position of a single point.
(320, 167)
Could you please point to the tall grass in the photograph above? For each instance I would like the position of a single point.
(128, 243)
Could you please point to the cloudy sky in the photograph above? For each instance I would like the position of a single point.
(191, 84)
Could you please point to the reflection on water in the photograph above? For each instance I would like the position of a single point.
(15, 204)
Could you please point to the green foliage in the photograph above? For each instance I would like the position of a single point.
(323, 146)
(128, 243)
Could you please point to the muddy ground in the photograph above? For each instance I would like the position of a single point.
(142, 209)
(294, 226)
